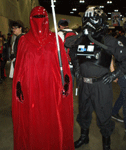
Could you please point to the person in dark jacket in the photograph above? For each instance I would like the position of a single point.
(91, 56)
(17, 28)
(121, 101)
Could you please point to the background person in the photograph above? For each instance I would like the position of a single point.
(5, 57)
(17, 28)
(121, 101)
(65, 32)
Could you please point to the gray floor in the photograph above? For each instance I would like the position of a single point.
(118, 138)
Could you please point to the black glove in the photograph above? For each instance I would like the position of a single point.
(19, 92)
(111, 76)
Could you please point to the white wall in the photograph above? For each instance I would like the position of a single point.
(20, 10)
(74, 21)
(15, 10)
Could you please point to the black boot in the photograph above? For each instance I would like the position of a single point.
(106, 143)
(84, 139)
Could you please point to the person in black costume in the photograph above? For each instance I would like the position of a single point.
(91, 56)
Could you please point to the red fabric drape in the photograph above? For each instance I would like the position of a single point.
(42, 116)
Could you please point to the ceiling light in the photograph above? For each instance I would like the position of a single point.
(109, 18)
(71, 12)
(101, 6)
(116, 10)
(54, 1)
(81, 1)
(109, 2)
(74, 9)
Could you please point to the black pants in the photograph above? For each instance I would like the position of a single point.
(121, 101)
(97, 97)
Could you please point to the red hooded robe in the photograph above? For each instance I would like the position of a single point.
(42, 115)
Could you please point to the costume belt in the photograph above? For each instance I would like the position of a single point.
(92, 80)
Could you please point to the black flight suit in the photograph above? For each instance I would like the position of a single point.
(96, 96)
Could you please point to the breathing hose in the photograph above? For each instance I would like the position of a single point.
(96, 42)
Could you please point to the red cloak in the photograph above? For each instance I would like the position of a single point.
(42, 115)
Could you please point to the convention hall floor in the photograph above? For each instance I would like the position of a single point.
(118, 138)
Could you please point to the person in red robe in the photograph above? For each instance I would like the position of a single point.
(42, 114)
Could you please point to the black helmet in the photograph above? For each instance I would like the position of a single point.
(95, 20)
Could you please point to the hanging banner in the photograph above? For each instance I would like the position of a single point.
(116, 18)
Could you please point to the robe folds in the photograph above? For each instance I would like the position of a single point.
(42, 115)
